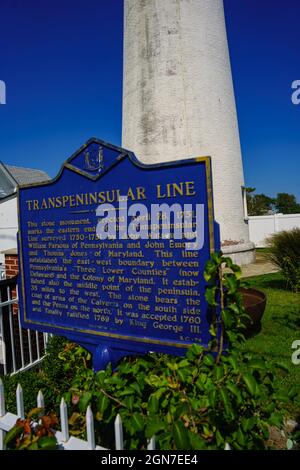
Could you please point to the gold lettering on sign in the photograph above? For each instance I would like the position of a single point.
(108, 284)
(186, 188)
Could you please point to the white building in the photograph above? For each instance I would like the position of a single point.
(178, 100)
(10, 178)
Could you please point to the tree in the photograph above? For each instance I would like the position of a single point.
(258, 204)
(287, 204)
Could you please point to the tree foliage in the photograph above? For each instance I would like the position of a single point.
(287, 204)
(258, 204)
(261, 204)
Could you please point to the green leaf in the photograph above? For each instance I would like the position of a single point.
(276, 420)
(182, 374)
(85, 401)
(181, 437)
(294, 391)
(185, 362)
(68, 397)
(217, 258)
(194, 351)
(47, 443)
(125, 368)
(226, 400)
(227, 318)
(235, 391)
(165, 403)
(209, 271)
(219, 371)
(235, 308)
(230, 282)
(156, 381)
(236, 269)
(257, 364)
(210, 296)
(220, 439)
(281, 397)
(196, 442)
(213, 330)
(126, 391)
(240, 437)
(100, 377)
(153, 404)
(13, 433)
(251, 383)
(102, 403)
(228, 262)
(212, 397)
(34, 446)
(172, 366)
(137, 422)
(248, 423)
(282, 366)
(129, 402)
(208, 360)
(181, 410)
(269, 407)
(153, 426)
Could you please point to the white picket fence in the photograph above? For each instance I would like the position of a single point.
(64, 440)
(20, 349)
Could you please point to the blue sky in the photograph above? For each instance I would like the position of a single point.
(62, 64)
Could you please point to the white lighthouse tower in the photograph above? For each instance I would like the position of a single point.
(178, 100)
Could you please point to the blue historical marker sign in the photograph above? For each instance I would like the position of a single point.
(97, 263)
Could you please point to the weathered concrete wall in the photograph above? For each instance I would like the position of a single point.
(178, 98)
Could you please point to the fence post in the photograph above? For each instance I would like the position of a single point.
(119, 433)
(2, 438)
(3, 346)
(20, 402)
(2, 413)
(90, 428)
(11, 328)
(151, 444)
(2, 399)
(64, 420)
(40, 400)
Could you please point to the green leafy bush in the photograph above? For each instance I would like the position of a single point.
(189, 403)
(60, 364)
(31, 381)
(284, 252)
(50, 377)
(208, 398)
(202, 401)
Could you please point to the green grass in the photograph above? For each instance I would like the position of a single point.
(263, 250)
(280, 327)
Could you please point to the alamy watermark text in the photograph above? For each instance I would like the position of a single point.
(296, 93)
(2, 92)
(138, 222)
(296, 354)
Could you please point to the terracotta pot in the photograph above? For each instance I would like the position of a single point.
(255, 304)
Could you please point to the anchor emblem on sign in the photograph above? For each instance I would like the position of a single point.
(94, 161)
